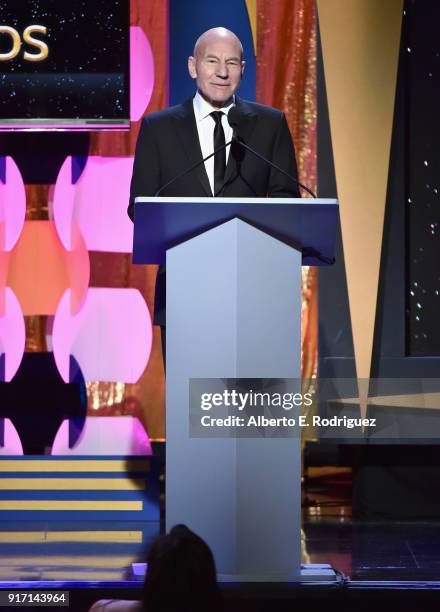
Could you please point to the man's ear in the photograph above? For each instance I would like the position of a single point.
(192, 67)
(243, 64)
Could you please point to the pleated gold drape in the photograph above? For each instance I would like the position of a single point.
(286, 79)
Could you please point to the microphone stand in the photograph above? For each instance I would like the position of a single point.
(238, 140)
(192, 167)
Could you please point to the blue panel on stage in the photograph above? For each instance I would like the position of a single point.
(2, 170)
(307, 225)
(23, 500)
(191, 18)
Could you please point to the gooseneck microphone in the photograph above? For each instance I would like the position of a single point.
(192, 167)
(234, 122)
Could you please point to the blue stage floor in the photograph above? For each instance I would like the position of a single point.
(386, 562)
(381, 564)
(91, 552)
(98, 552)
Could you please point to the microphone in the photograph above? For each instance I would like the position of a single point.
(192, 167)
(234, 122)
(234, 118)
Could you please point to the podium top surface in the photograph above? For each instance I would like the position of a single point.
(306, 224)
(216, 201)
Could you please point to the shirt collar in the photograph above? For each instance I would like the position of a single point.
(203, 109)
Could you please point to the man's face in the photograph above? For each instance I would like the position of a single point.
(217, 68)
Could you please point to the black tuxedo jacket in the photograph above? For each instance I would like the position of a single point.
(168, 143)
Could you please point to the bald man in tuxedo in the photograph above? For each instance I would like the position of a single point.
(171, 140)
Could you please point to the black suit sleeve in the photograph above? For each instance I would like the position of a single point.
(280, 186)
(146, 178)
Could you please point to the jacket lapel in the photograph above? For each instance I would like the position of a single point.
(248, 118)
(186, 128)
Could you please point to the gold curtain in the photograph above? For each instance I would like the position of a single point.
(286, 79)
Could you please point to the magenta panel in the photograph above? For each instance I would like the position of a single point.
(12, 443)
(116, 435)
(12, 334)
(12, 206)
(141, 72)
(97, 203)
(110, 336)
(63, 202)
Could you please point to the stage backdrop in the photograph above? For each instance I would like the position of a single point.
(283, 74)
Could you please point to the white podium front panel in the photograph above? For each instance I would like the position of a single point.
(234, 311)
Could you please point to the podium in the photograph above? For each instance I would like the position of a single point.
(234, 312)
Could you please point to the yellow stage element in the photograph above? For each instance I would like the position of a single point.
(251, 7)
(9, 573)
(69, 505)
(34, 537)
(60, 575)
(422, 401)
(360, 46)
(76, 465)
(71, 484)
(37, 574)
(104, 561)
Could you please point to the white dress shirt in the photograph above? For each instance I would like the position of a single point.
(205, 128)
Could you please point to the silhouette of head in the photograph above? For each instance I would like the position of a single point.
(181, 574)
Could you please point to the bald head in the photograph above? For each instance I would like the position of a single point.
(218, 35)
(217, 65)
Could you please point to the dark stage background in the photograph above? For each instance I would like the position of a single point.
(395, 480)
(421, 55)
